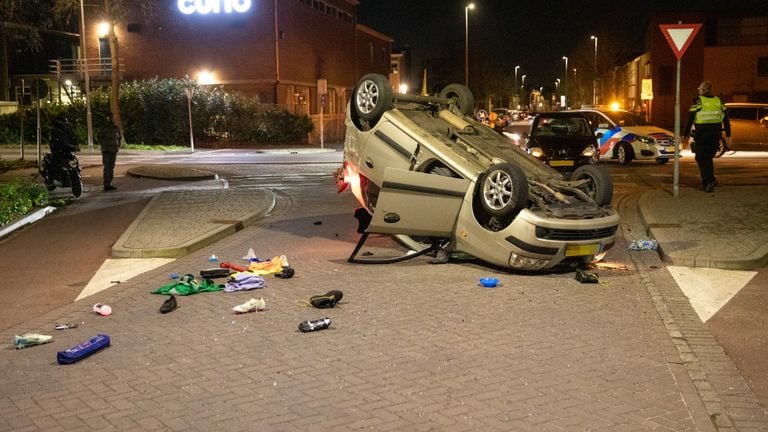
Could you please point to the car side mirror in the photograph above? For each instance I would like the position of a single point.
(599, 135)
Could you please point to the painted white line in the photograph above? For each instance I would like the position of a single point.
(709, 289)
(115, 271)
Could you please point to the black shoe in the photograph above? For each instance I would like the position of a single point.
(710, 187)
(586, 277)
(108, 188)
(326, 301)
(169, 305)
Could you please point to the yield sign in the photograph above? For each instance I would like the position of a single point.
(679, 36)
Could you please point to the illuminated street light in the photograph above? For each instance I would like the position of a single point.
(403, 88)
(565, 83)
(515, 85)
(103, 29)
(594, 77)
(466, 42)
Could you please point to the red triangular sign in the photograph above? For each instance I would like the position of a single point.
(679, 36)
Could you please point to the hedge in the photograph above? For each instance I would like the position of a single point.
(155, 112)
(20, 197)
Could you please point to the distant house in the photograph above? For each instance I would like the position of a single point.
(732, 52)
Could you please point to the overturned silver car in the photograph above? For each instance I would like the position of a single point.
(424, 170)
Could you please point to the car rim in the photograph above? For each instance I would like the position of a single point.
(498, 190)
(367, 97)
(622, 154)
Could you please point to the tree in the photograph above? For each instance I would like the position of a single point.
(114, 12)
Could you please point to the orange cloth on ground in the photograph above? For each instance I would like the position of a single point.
(275, 265)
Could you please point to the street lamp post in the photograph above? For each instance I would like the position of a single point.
(84, 60)
(515, 86)
(466, 42)
(594, 77)
(565, 83)
(189, 90)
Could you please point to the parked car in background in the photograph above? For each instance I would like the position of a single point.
(563, 140)
(627, 137)
(426, 171)
(749, 127)
(518, 131)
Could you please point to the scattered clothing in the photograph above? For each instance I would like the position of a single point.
(275, 265)
(638, 245)
(188, 285)
(243, 281)
(286, 273)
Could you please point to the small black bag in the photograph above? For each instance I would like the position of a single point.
(216, 272)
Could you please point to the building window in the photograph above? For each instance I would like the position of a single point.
(762, 66)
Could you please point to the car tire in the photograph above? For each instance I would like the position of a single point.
(76, 184)
(372, 97)
(722, 147)
(624, 153)
(502, 190)
(600, 184)
(662, 161)
(462, 96)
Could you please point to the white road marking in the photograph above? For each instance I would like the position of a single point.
(120, 270)
(709, 289)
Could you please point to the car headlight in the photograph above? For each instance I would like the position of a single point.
(512, 135)
(516, 260)
(536, 152)
(645, 139)
(589, 151)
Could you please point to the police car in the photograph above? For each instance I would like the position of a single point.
(626, 136)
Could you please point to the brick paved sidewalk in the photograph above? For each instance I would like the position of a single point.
(413, 346)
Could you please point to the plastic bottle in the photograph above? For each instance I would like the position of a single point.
(313, 325)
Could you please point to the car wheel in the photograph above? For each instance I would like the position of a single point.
(624, 153)
(503, 190)
(599, 186)
(462, 96)
(372, 97)
(721, 148)
(662, 161)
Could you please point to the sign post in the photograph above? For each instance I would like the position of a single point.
(679, 36)
(39, 90)
(322, 91)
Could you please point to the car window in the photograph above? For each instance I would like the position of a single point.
(742, 113)
(624, 118)
(597, 119)
(564, 127)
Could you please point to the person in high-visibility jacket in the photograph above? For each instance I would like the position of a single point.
(707, 113)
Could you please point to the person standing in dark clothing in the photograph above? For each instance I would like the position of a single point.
(707, 113)
(109, 140)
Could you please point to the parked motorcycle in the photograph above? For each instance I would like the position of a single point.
(60, 167)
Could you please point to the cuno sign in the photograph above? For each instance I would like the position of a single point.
(205, 7)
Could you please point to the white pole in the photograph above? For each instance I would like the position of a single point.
(189, 92)
(322, 108)
(676, 183)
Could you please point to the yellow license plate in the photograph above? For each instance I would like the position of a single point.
(561, 163)
(582, 250)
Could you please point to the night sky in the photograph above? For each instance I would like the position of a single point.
(534, 34)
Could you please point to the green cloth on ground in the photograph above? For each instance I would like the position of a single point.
(188, 285)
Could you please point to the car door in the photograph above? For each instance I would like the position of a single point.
(418, 204)
(602, 124)
(744, 131)
(388, 146)
(763, 125)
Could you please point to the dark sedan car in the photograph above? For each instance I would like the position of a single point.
(563, 140)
